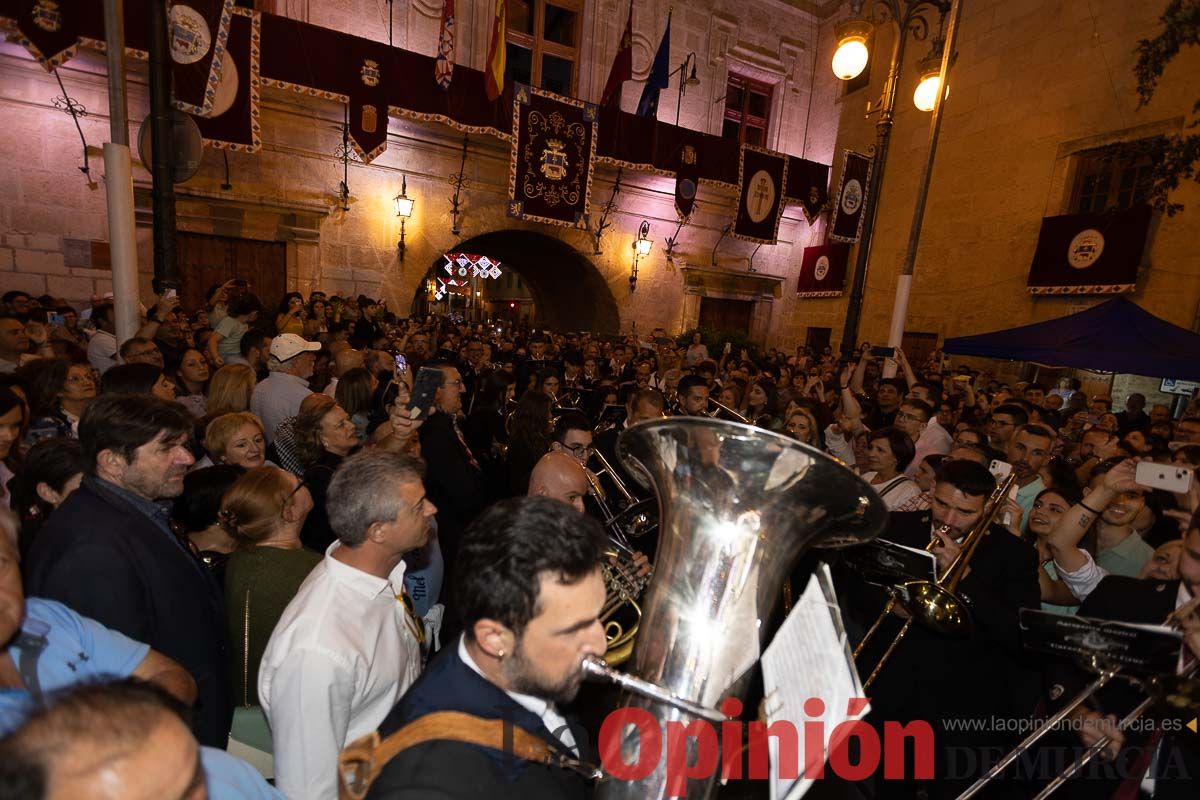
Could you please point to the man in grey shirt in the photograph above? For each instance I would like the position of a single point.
(278, 397)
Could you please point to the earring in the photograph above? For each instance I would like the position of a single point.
(499, 654)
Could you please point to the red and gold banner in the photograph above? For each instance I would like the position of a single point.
(762, 176)
(1090, 253)
(823, 271)
(553, 147)
(233, 123)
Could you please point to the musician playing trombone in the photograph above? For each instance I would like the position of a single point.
(956, 683)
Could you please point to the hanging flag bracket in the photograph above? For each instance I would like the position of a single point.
(673, 239)
(724, 232)
(458, 180)
(76, 110)
(608, 208)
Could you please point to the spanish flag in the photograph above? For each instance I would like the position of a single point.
(494, 83)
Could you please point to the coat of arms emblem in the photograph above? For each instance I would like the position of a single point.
(46, 16)
(369, 119)
(190, 36)
(554, 160)
(689, 155)
(370, 72)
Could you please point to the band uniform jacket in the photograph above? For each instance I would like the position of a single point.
(443, 770)
(940, 678)
(1177, 771)
(105, 559)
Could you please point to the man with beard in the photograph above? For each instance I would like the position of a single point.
(1003, 423)
(1119, 548)
(938, 677)
(530, 594)
(1028, 451)
(109, 552)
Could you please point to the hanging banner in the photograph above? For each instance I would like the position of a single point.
(807, 186)
(851, 200)
(368, 92)
(687, 179)
(197, 34)
(553, 150)
(48, 29)
(823, 270)
(233, 123)
(1090, 253)
(762, 177)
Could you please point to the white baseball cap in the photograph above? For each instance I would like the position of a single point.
(288, 345)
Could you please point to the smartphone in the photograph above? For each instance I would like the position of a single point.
(57, 320)
(1000, 469)
(883, 352)
(429, 380)
(1167, 477)
(170, 294)
(401, 364)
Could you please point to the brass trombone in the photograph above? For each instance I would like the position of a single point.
(934, 603)
(1173, 689)
(721, 408)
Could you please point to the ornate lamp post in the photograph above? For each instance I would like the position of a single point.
(907, 17)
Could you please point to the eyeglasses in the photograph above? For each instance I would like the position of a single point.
(904, 415)
(580, 449)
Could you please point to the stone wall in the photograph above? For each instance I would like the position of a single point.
(1036, 81)
(288, 191)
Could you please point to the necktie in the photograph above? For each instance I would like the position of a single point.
(463, 441)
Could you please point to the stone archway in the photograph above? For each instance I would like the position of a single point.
(568, 289)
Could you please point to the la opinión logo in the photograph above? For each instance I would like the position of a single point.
(633, 743)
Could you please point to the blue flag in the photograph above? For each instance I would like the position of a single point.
(659, 76)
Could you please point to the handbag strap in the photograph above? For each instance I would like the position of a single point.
(361, 762)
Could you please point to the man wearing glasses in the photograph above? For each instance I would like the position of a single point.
(573, 436)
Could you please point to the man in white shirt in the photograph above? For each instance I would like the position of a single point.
(291, 364)
(916, 418)
(530, 596)
(347, 646)
(102, 348)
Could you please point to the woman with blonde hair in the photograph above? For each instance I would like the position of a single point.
(802, 426)
(264, 512)
(236, 439)
(229, 390)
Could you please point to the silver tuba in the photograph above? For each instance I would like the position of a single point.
(738, 506)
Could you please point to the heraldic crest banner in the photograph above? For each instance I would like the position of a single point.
(823, 270)
(553, 149)
(852, 199)
(762, 182)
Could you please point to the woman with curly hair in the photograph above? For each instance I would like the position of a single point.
(325, 435)
(59, 391)
(528, 439)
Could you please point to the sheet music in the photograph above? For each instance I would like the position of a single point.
(809, 657)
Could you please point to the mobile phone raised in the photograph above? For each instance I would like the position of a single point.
(1168, 477)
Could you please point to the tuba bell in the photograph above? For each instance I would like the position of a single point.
(738, 506)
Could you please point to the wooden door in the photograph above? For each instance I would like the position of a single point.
(918, 346)
(206, 260)
(718, 314)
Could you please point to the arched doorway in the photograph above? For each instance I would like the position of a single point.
(569, 293)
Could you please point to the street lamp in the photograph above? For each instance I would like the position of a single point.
(641, 248)
(691, 80)
(930, 69)
(850, 58)
(404, 209)
(906, 17)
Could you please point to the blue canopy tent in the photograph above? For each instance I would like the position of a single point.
(1115, 336)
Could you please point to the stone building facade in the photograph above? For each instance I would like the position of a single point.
(1036, 84)
(55, 229)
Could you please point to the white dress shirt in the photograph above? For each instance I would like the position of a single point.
(102, 351)
(555, 722)
(339, 659)
(934, 440)
(277, 398)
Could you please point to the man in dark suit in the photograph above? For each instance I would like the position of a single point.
(529, 596)
(1167, 754)
(946, 680)
(454, 479)
(109, 552)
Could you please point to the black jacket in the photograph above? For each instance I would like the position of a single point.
(107, 560)
(446, 770)
(317, 534)
(939, 678)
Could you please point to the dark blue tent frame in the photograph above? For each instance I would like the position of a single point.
(1115, 336)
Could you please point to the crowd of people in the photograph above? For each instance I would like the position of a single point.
(247, 523)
